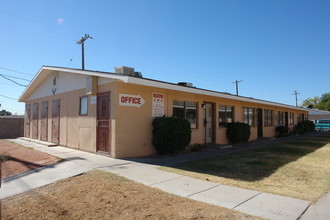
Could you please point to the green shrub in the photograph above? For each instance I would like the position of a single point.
(309, 126)
(170, 135)
(282, 130)
(298, 129)
(303, 127)
(238, 132)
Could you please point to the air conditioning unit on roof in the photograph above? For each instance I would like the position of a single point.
(124, 70)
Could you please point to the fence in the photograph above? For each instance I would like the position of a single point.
(11, 127)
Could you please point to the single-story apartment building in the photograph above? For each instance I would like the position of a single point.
(112, 112)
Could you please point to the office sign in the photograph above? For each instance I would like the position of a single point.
(131, 100)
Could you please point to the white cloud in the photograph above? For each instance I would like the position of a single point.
(60, 20)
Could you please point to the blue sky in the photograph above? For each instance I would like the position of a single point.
(274, 46)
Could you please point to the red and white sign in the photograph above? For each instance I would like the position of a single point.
(131, 100)
(157, 105)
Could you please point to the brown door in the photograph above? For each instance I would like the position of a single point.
(102, 123)
(260, 122)
(27, 119)
(35, 111)
(56, 121)
(44, 121)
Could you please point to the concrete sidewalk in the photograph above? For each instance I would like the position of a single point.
(76, 162)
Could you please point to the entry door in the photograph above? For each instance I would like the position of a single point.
(27, 120)
(35, 111)
(209, 120)
(56, 121)
(102, 123)
(260, 122)
(44, 121)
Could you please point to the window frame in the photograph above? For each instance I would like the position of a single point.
(247, 118)
(187, 107)
(280, 118)
(291, 118)
(80, 105)
(268, 118)
(232, 110)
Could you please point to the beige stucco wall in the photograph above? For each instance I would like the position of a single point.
(134, 125)
(75, 131)
(131, 127)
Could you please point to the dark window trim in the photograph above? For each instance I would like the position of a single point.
(80, 98)
(280, 120)
(266, 112)
(253, 124)
(184, 111)
(232, 108)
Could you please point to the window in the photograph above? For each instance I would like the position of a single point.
(226, 115)
(187, 110)
(249, 116)
(280, 118)
(268, 114)
(83, 109)
(291, 118)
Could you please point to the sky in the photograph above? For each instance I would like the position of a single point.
(275, 47)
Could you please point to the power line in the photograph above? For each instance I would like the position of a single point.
(7, 84)
(74, 54)
(16, 71)
(40, 23)
(16, 77)
(12, 80)
(37, 34)
(8, 97)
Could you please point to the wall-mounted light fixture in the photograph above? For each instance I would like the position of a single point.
(203, 105)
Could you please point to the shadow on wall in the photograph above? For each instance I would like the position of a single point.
(257, 163)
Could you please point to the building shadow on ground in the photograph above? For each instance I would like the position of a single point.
(257, 163)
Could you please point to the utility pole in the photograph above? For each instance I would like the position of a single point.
(82, 42)
(296, 94)
(236, 81)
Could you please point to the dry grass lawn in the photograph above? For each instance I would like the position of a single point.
(298, 168)
(17, 159)
(101, 195)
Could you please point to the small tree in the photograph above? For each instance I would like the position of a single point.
(5, 113)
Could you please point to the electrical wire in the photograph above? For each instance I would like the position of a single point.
(12, 80)
(40, 23)
(8, 97)
(15, 71)
(7, 84)
(37, 34)
(16, 77)
(74, 54)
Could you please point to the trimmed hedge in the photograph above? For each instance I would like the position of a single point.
(170, 135)
(304, 127)
(238, 132)
(282, 130)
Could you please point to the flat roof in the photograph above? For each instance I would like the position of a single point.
(42, 74)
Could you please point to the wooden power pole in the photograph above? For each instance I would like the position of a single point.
(82, 42)
(236, 81)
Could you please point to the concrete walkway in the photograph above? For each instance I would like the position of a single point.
(76, 162)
